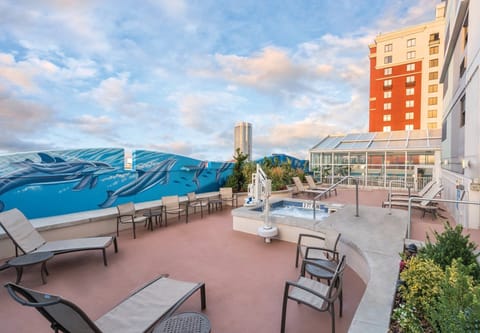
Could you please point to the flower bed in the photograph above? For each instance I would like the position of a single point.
(439, 288)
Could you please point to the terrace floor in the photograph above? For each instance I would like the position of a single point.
(244, 276)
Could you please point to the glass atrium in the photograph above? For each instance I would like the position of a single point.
(398, 158)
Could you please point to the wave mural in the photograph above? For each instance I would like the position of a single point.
(60, 182)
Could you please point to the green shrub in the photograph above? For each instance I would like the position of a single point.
(457, 306)
(422, 279)
(450, 245)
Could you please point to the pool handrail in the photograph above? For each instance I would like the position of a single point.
(331, 187)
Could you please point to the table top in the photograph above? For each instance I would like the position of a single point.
(320, 272)
(30, 258)
(186, 322)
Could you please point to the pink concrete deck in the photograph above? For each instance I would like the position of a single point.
(244, 277)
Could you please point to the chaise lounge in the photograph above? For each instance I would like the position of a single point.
(26, 238)
(139, 312)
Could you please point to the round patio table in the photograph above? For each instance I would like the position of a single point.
(319, 272)
(187, 322)
(31, 259)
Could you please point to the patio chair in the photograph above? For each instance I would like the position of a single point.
(303, 189)
(195, 202)
(28, 240)
(315, 294)
(421, 193)
(127, 214)
(313, 186)
(139, 312)
(317, 247)
(171, 205)
(227, 195)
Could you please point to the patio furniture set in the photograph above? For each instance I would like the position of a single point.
(171, 205)
(152, 307)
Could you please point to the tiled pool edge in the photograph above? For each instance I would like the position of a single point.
(372, 243)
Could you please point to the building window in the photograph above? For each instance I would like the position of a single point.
(387, 94)
(411, 54)
(433, 63)
(387, 71)
(410, 91)
(433, 75)
(432, 113)
(432, 88)
(409, 127)
(434, 50)
(409, 115)
(387, 117)
(434, 37)
(387, 106)
(431, 125)
(411, 42)
(387, 60)
(410, 67)
(462, 111)
(388, 48)
(409, 104)
(410, 79)
(387, 83)
(432, 101)
(387, 128)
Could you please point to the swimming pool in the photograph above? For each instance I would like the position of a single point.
(301, 209)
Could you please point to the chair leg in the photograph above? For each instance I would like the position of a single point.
(134, 235)
(284, 309)
(117, 227)
(333, 317)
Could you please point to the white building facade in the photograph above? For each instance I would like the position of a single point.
(461, 116)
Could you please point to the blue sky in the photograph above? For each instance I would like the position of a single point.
(175, 76)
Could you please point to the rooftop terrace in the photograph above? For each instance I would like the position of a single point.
(244, 276)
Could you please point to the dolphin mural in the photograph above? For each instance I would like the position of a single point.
(159, 174)
(224, 167)
(201, 167)
(53, 170)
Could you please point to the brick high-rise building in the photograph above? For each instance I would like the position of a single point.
(405, 93)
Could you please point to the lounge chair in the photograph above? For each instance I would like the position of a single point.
(171, 205)
(315, 294)
(26, 238)
(313, 186)
(139, 312)
(426, 204)
(317, 247)
(127, 214)
(303, 189)
(421, 193)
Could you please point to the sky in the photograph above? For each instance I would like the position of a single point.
(175, 76)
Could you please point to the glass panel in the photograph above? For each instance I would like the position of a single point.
(340, 158)
(327, 158)
(395, 158)
(357, 158)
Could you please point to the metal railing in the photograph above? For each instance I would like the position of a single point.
(332, 187)
(411, 199)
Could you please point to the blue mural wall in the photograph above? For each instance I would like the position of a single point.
(60, 182)
(278, 159)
